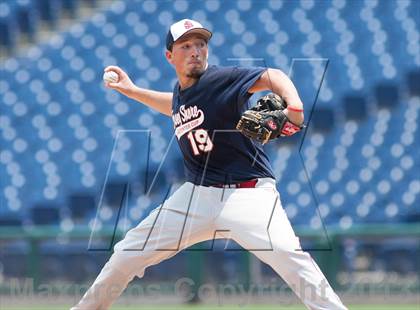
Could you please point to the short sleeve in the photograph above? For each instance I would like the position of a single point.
(245, 78)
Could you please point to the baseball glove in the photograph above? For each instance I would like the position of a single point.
(267, 121)
(270, 102)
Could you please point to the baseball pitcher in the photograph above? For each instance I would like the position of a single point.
(230, 190)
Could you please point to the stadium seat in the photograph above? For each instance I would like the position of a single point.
(323, 119)
(27, 18)
(44, 215)
(8, 26)
(49, 11)
(413, 81)
(355, 107)
(386, 95)
(80, 205)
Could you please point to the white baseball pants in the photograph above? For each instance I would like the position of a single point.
(253, 217)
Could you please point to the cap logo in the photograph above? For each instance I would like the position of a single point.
(188, 24)
(182, 27)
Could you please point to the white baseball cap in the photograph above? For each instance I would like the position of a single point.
(182, 27)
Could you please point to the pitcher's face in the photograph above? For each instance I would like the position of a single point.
(189, 56)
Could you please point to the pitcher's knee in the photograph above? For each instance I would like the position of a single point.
(126, 263)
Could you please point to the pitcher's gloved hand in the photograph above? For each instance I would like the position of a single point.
(267, 121)
(270, 102)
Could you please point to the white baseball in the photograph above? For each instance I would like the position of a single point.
(110, 77)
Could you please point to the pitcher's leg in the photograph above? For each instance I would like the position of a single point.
(108, 286)
(261, 226)
(158, 237)
(302, 274)
(297, 267)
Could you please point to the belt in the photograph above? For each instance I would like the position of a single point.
(245, 184)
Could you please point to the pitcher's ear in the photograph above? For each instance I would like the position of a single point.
(168, 55)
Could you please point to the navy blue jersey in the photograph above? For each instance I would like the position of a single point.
(205, 116)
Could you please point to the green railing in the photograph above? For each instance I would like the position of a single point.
(326, 250)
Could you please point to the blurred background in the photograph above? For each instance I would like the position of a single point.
(72, 151)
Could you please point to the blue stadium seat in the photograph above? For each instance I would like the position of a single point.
(71, 6)
(27, 17)
(8, 25)
(355, 107)
(49, 10)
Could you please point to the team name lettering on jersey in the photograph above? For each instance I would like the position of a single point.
(187, 119)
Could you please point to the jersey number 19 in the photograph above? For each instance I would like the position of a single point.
(200, 141)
